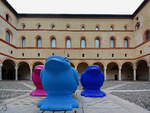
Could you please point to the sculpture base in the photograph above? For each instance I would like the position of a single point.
(38, 92)
(58, 103)
(93, 93)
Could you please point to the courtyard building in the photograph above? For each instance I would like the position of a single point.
(119, 44)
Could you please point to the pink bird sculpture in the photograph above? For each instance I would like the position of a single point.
(39, 91)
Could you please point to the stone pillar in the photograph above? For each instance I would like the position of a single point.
(119, 73)
(149, 72)
(16, 72)
(105, 72)
(1, 71)
(30, 72)
(134, 73)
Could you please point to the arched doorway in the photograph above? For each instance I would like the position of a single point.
(23, 71)
(112, 71)
(8, 70)
(127, 71)
(82, 67)
(100, 65)
(35, 64)
(142, 70)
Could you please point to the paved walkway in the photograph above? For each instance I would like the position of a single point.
(108, 104)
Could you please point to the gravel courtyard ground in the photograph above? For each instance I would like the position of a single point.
(122, 97)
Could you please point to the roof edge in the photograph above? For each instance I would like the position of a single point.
(126, 16)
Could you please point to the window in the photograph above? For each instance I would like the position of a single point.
(68, 55)
(53, 27)
(8, 36)
(23, 42)
(38, 54)
(97, 28)
(112, 55)
(22, 54)
(39, 42)
(83, 43)
(97, 43)
(97, 55)
(67, 27)
(82, 27)
(147, 35)
(126, 44)
(68, 43)
(53, 42)
(23, 26)
(137, 26)
(111, 27)
(38, 26)
(7, 18)
(112, 42)
(125, 27)
(83, 55)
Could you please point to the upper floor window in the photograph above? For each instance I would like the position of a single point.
(23, 42)
(82, 27)
(125, 27)
(8, 36)
(23, 26)
(39, 42)
(137, 26)
(68, 43)
(97, 28)
(53, 27)
(111, 27)
(112, 42)
(97, 43)
(147, 35)
(38, 26)
(7, 18)
(68, 27)
(83, 43)
(126, 43)
(53, 42)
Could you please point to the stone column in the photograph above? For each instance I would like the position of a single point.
(30, 72)
(16, 73)
(105, 72)
(149, 72)
(119, 73)
(1, 71)
(134, 73)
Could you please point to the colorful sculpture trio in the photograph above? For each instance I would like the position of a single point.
(58, 80)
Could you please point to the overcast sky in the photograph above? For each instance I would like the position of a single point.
(76, 6)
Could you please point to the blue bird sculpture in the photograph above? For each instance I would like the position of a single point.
(92, 80)
(60, 81)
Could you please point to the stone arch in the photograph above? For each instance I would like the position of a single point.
(23, 71)
(8, 70)
(127, 71)
(36, 63)
(82, 67)
(142, 70)
(112, 71)
(100, 65)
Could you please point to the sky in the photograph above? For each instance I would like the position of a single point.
(76, 6)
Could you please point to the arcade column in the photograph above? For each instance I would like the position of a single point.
(1, 71)
(119, 73)
(16, 72)
(134, 73)
(105, 73)
(149, 72)
(30, 72)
